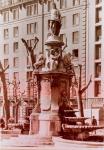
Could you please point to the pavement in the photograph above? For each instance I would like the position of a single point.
(29, 142)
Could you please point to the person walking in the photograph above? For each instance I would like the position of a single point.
(94, 122)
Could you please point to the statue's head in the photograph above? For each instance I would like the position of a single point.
(54, 5)
(63, 93)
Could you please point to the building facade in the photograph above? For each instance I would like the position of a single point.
(95, 54)
(23, 19)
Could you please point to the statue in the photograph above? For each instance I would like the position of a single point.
(55, 22)
(52, 59)
(30, 50)
(67, 63)
(40, 61)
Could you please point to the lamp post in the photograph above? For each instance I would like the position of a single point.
(79, 92)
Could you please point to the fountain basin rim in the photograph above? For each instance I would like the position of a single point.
(37, 72)
(76, 118)
(80, 128)
(60, 140)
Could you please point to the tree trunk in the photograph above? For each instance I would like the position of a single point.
(16, 113)
(5, 100)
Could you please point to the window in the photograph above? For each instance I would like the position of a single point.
(15, 32)
(16, 62)
(31, 43)
(6, 16)
(98, 51)
(98, 33)
(76, 2)
(98, 1)
(6, 33)
(49, 6)
(97, 69)
(63, 37)
(6, 49)
(6, 63)
(63, 22)
(97, 88)
(29, 75)
(16, 76)
(7, 76)
(98, 14)
(76, 19)
(32, 28)
(63, 4)
(15, 14)
(36, 8)
(32, 9)
(75, 37)
(75, 53)
(15, 47)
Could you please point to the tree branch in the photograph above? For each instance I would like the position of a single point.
(36, 41)
(6, 68)
(1, 67)
(26, 45)
(84, 89)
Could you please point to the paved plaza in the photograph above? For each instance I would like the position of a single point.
(28, 142)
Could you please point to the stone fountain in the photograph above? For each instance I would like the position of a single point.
(54, 72)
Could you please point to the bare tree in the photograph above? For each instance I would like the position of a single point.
(30, 50)
(5, 94)
(80, 91)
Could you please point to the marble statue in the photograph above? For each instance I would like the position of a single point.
(40, 61)
(67, 62)
(54, 59)
(55, 21)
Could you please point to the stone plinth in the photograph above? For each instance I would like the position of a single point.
(38, 120)
(34, 123)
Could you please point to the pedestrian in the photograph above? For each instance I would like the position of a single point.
(94, 122)
(2, 123)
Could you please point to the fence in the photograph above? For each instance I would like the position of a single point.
(93, 103)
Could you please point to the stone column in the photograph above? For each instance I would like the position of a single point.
(45, 105)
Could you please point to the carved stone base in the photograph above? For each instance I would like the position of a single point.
(45, 124)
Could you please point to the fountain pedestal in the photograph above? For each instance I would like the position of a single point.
(51, 84)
